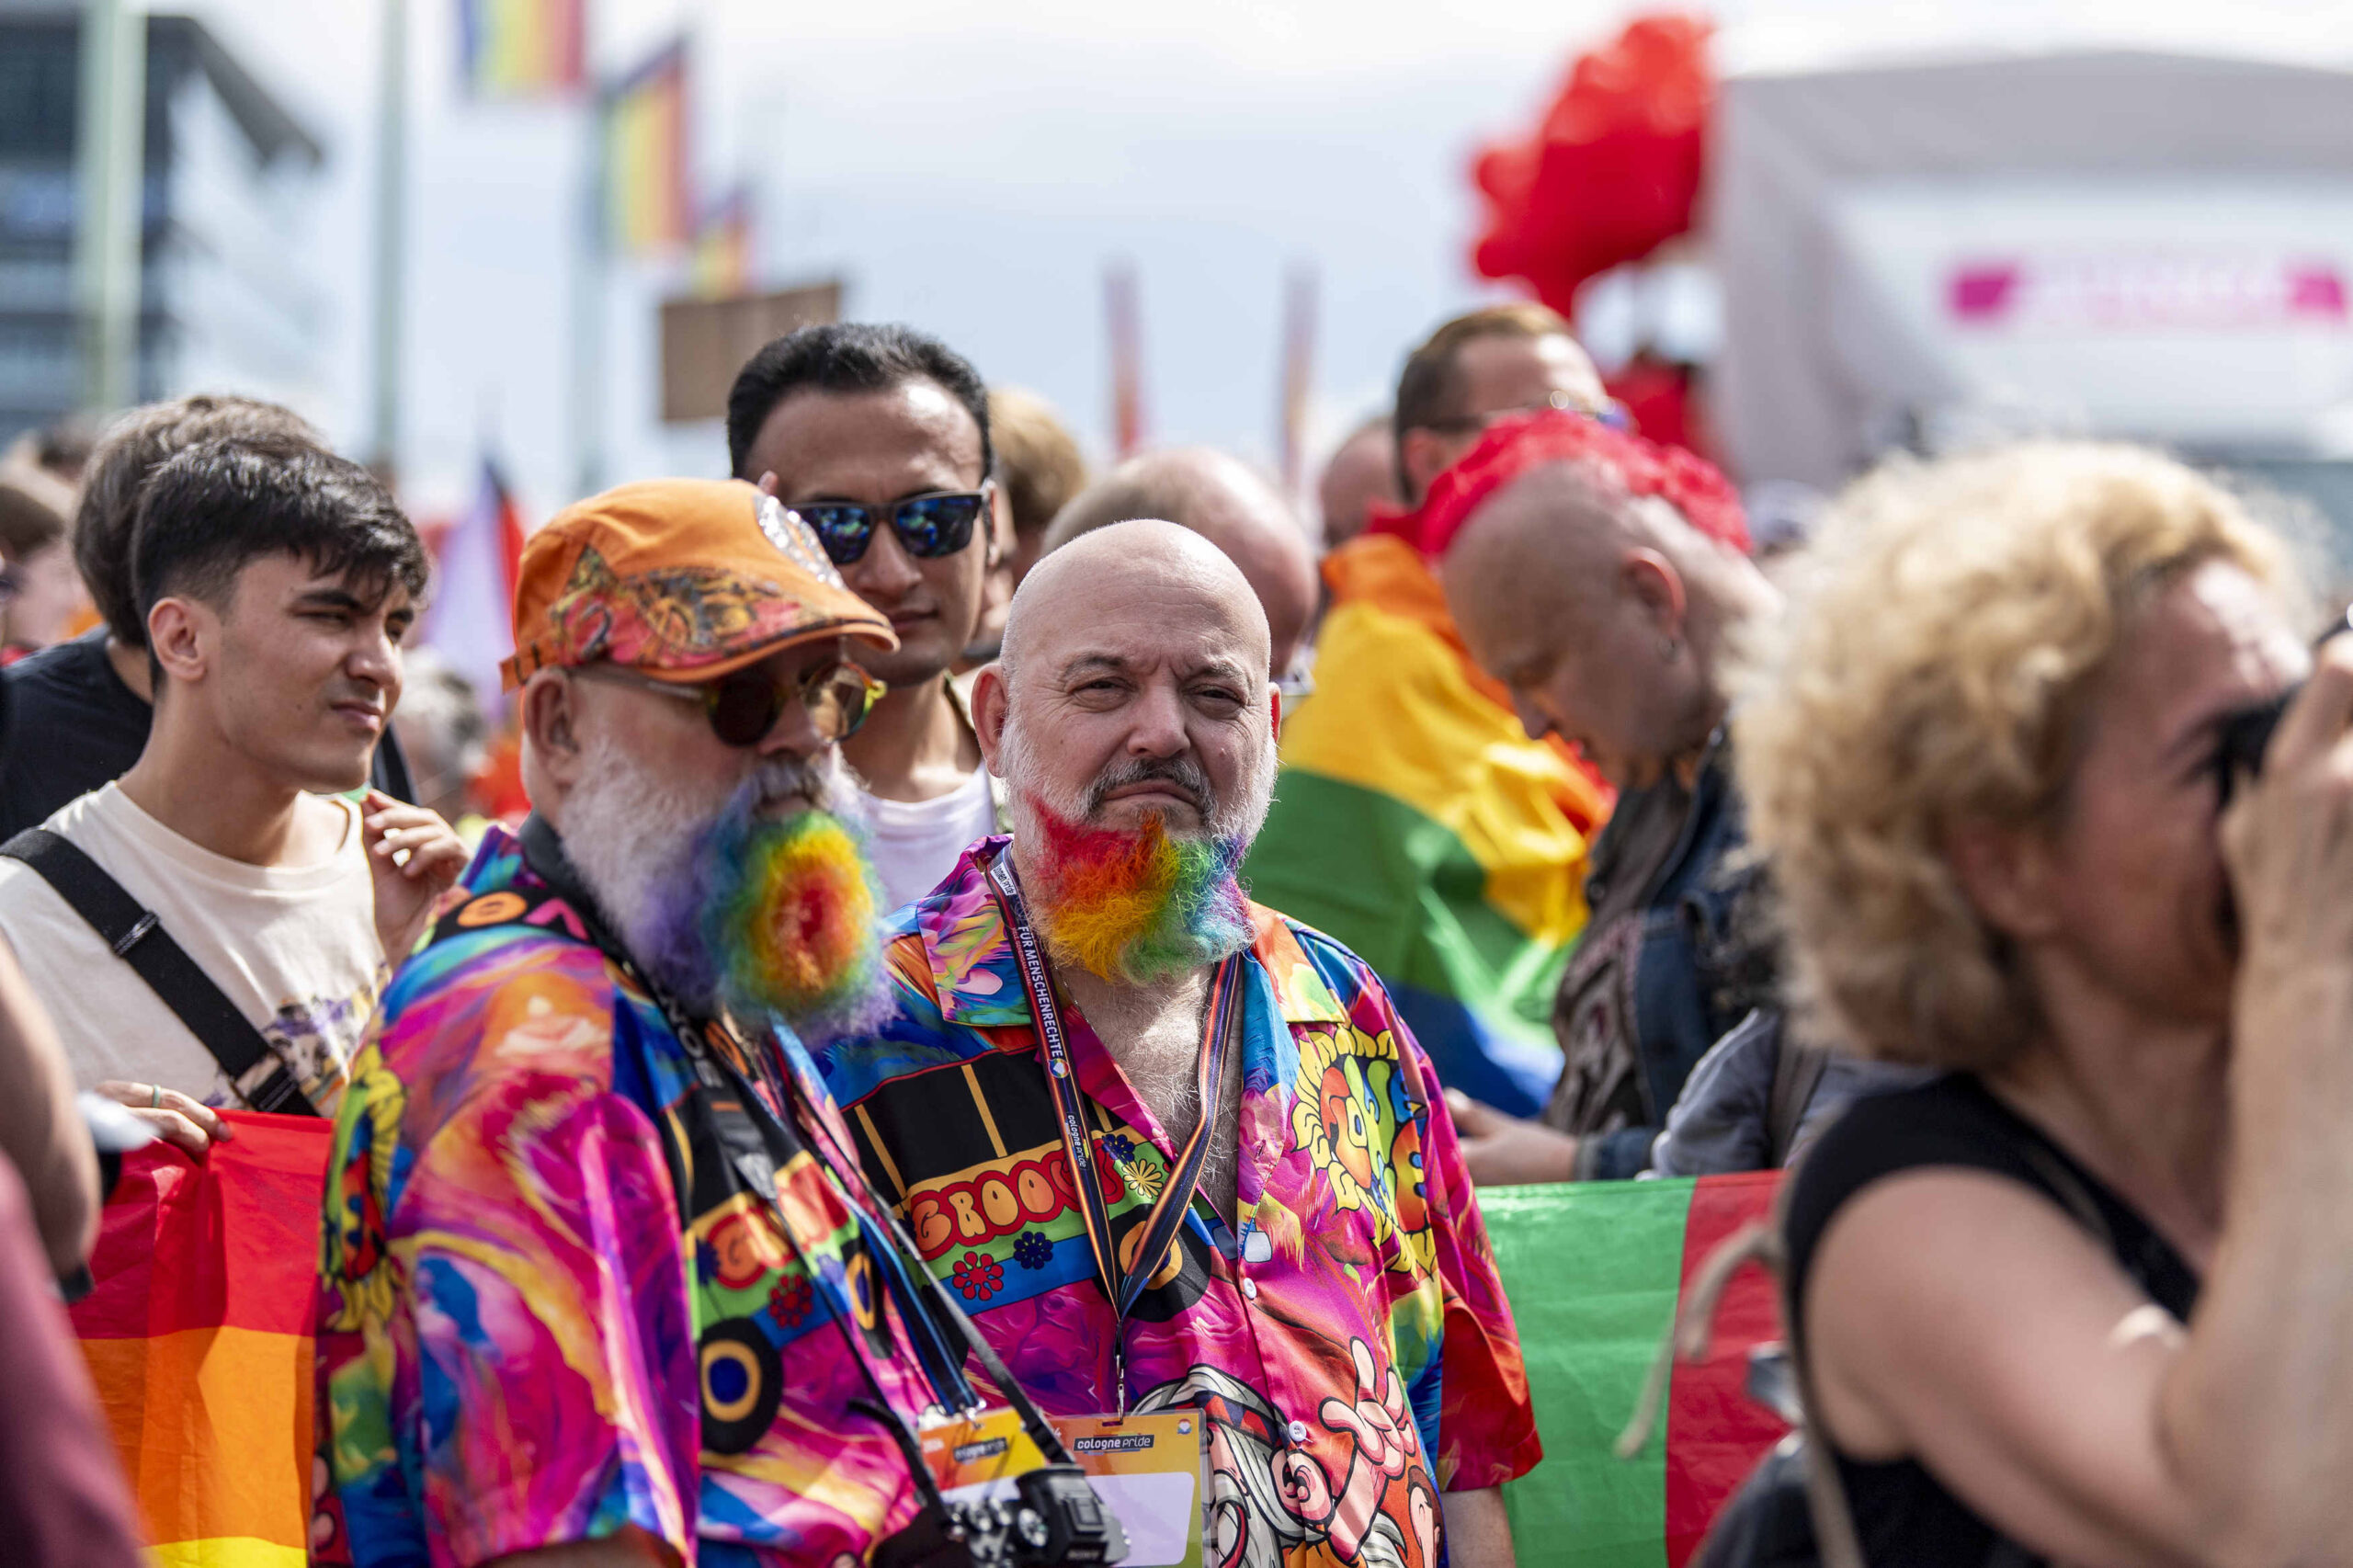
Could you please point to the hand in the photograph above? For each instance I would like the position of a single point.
(768, 484)
(1503, 1150)
(2287, 840)
(184, 1123)
(413, 857)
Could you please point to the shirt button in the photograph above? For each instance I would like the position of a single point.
(1250, 1289)
(1299, 1431)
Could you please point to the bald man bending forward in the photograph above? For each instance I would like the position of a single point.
(1329, 1301)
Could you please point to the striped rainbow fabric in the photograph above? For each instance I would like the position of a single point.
(520, 49)
(199, 1336)
(1416, 821)
(648, 203)
(1593, 1270)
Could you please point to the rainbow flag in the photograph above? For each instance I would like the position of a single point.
(722, 261)
(198, 1336)
(1594, 1271)
(520, 49)
(649, 203)
(1416, 821)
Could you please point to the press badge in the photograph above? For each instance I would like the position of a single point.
(1146, 1468)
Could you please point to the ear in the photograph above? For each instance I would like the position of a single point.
(1000, 526)
(551, 731)
(1275, 707)
(1649, 580)
(182, 633)
(991, 703)
(1424, 455)
(2004, 873)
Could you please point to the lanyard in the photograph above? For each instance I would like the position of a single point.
(1122, 1285)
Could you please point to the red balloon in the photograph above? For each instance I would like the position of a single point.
(1613, 171)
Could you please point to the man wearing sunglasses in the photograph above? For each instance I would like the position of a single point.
(879, 438)
(601, 1277)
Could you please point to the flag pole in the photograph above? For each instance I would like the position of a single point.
(392, 239)
(109, 235)
(588, 307)
(1298, 386)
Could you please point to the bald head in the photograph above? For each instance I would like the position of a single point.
(1133, 564)
(1362, 471)
(1606, 615)
(1224, 502)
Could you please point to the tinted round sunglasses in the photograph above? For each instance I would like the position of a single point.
(929, 526)
(744, 705)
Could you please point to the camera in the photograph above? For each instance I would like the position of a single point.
(1053, 1517)
(2246, 734)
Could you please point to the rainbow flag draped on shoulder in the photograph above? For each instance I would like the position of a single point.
(1416, 821)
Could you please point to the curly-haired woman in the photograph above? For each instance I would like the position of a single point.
(1984, 764)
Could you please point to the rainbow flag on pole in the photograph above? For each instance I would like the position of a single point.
(722, 259)
(520, 49)
(1416, 821)
(649, 205)
(200, 1339)
(1594, 1271)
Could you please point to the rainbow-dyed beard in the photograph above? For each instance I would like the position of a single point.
(1134, 906)
(773, 917)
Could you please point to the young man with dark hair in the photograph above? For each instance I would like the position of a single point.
(879, 438)
(78, 712)
(274, 582)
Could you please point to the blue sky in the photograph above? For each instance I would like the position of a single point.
(970, 169)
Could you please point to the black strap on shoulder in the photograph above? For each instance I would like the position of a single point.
(139, 939)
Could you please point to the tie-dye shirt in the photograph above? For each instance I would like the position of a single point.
(1349, 1337)
(526, 1338)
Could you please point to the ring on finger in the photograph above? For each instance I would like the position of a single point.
(154, 1096)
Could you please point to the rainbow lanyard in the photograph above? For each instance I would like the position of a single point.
(1124, 1285)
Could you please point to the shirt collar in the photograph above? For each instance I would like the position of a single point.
(977, 975)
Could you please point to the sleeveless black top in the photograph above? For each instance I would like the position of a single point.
(1902, 1514)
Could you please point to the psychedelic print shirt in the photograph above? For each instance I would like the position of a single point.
(1350, 1344)
(526, 1339)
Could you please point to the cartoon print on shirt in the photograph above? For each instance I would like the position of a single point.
(1268, 1496)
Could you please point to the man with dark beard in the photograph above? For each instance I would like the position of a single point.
(1243, 1108)
(601, 1282)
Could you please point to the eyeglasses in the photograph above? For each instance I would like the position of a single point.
(11, 583)
(929, 526)
(745, 705)
(1612, 412)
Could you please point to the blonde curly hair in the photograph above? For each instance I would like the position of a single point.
(1948, 627)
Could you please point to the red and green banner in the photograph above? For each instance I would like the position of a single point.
(1594, 1271)
(199, 1336)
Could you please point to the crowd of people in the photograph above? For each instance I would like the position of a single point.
(986, 937)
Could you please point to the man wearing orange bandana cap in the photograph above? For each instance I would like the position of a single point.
(601, 1281)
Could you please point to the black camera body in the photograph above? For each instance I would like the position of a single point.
(2246, 734)
(1052, 1517)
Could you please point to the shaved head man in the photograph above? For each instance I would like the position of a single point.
(1225, 502)
(1241, 1085)
(1362, 471)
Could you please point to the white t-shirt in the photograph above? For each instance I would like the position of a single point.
(915, 843)
(294, 947)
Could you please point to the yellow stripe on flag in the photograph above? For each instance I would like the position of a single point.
(231, 1552)
(1395, 712)
(214, 1428)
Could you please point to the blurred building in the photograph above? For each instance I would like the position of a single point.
(225, 299)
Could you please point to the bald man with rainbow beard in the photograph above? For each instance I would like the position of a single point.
(1096, 994)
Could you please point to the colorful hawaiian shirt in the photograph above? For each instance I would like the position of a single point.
(1349, 1339)
(526, 1338)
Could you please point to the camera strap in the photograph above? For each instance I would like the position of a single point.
(1123, 1282)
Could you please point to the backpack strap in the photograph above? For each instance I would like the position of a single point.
(137, 936)
(1797, 1072)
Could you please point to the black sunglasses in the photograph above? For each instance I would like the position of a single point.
(929, 526)
(743, 707)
